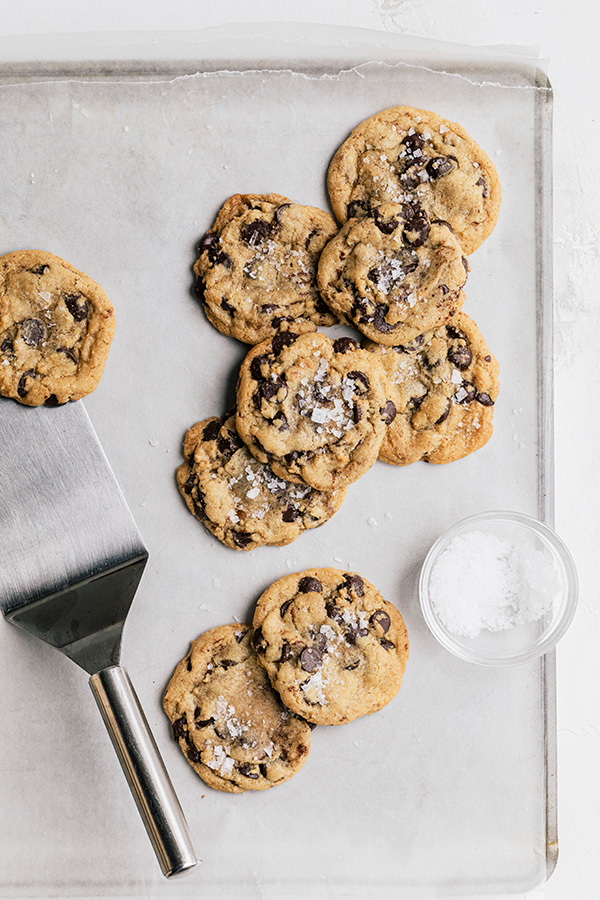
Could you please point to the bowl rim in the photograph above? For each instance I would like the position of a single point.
(450, 641)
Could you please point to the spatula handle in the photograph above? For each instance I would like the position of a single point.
(144, 769)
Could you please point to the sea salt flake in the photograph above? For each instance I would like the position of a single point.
(251, 495)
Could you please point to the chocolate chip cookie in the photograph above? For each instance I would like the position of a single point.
(333, 648)
(239, 499)
(314, 409)
(444, 385)
(393, 274)
(227, 719)
(56, 327)
(256, 270)
(416, 157)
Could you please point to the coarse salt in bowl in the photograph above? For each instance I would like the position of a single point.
(498, 589)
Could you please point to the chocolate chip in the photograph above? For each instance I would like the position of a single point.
(189, 664)
(308, 584)
(470, 392)
(291, 457)
(239, 636)
(6, 346)
(445, 414)
(350, 636)
(352, 666)
(53, 401)
(268, 307)
(223, 259)
(199, 509)
(344, 344)
(354, 583)
(39, 270)
(379, 319)
(204, 723)
(356, 413)
(286, 652)
(280, 419)
(255, 232)
(415, 402)
(263, 769)
(245, 769)
(333, 611)
(227, 663)
(461, 357)
(410, 180)
(413, 142)
(241, 538)
(211, 431)
(277, 321)
(444, 289)
(385, 227)
(226, 305)
(258, 642)
(309, 238)
(485, 399)
(416, 229)
(488, 358)
(193, 754)
(256, 366)
(284, 607)
(229, 443)
(209, 242)
(387, 645)
(68, 353)
(281, 340)
(388, 412)
(291, 515)
(311, 659)
(32, 332)
(481, 182)
(200, 289)
(270, 387)
(357, 209)
(381, 618)
(279, 210)
(361, 381)
(77, 306)
(442, 222)
(179, 728)
(455, 333)
(438, 166)
(465, 263)
(22, 389)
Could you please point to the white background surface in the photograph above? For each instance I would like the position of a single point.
(566, 34)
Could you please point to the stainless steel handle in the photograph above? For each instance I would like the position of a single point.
(144, 769)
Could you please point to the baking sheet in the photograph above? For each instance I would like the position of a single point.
(119, 167)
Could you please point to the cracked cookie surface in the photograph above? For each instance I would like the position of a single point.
(228, 720)
(239, 499)
(56, 327)
(333, 648)
(444, 385)
(393, 274)
(256, 270)
(415, 156)
(314, 409)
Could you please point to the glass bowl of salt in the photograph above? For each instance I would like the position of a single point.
(498, 589)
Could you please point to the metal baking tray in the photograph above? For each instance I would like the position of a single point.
(118, 160)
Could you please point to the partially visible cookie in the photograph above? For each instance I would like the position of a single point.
(392, 274)
(314, 409)
(414, 156)
(228, 721)
(56, 327)
(333, 648)
(444, 385)
(256, 270)
(239, 499)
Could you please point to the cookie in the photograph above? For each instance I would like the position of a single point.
(416, 157)
(393, 277)
(333, 648)
(256, 270)
(314, 409)
(444, 385)
(56, 327)
(238, 498)
(227, 719)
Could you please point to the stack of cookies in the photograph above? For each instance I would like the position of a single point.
(414, 195)
(324, 649)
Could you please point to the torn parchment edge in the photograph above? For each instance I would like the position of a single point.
(234, 49)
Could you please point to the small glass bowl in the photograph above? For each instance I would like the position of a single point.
(519, 643)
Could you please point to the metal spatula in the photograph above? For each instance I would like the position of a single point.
(71, 558)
